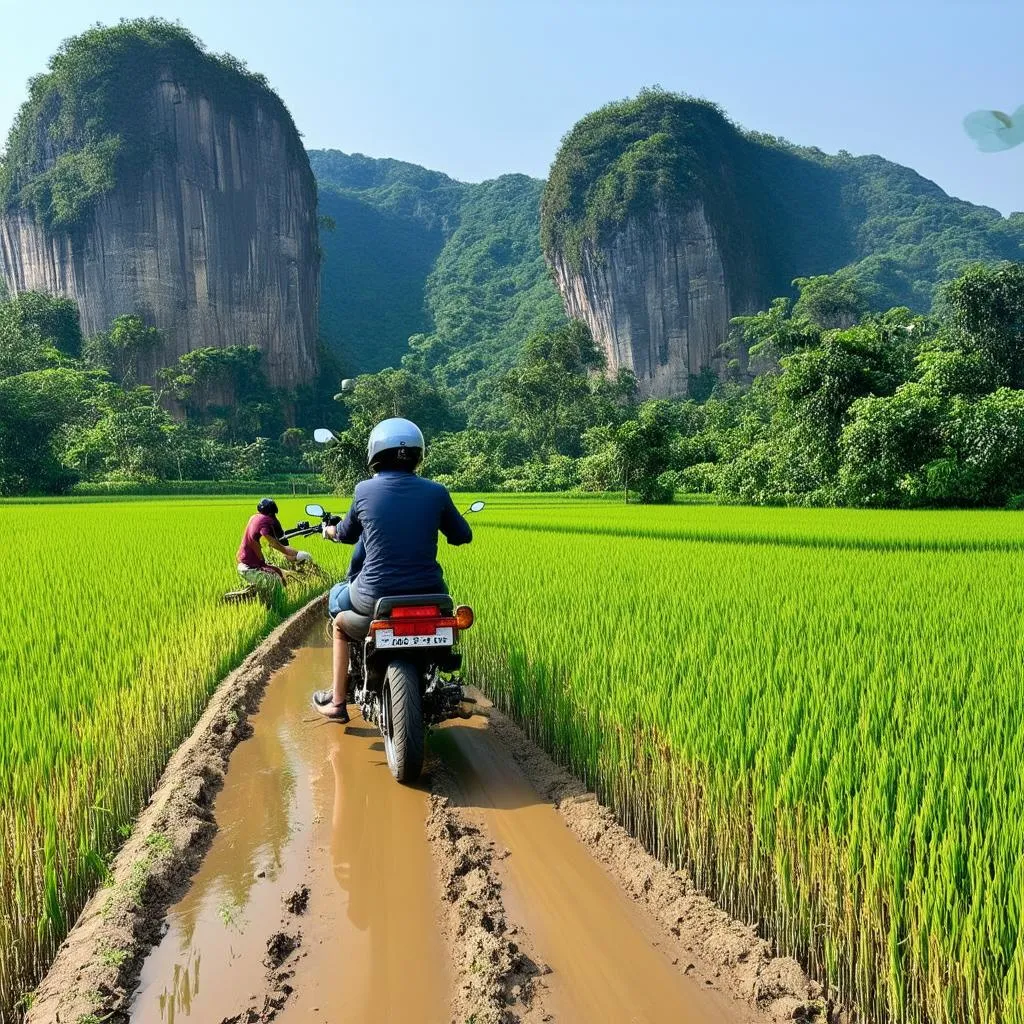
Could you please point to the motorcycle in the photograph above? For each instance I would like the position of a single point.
(404, 667)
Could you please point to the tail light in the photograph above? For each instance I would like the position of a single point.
(415, 619)
(416, 611)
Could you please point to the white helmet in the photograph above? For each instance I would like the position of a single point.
(395, 435)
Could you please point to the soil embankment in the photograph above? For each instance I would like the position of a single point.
(496, 891)
(98, 964)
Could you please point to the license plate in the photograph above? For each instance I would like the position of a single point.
(442, 637)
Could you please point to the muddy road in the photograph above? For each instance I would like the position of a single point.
(322, 897)
(307, 804)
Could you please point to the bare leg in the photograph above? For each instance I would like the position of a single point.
(340, 664)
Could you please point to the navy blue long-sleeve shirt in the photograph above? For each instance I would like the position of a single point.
(356, 562)
(398, 516)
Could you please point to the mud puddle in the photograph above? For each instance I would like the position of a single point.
(603, 952)
(306, 803)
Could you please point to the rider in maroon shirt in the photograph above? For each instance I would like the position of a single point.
(251, 564)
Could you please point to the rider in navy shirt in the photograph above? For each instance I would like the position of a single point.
(398, 516)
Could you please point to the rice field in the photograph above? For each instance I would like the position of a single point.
(113, 637)
(817, 712)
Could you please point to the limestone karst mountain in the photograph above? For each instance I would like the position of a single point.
(147, 176)
(662, 220)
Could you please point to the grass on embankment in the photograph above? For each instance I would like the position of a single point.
(114, 636)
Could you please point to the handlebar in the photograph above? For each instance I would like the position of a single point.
(304, 529)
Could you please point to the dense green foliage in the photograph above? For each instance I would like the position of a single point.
(898, 410)
(72, 410)
(781, 211)
(87, 123)
(526, 436)
(450, 276)
(818, 715)
(373, 281)
(105, 669)
(455, 267)
(490, 288)
(848, 408)
(393, 186)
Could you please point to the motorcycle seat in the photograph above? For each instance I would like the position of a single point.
(385, 605)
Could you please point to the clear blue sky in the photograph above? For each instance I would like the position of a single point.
(483, 87)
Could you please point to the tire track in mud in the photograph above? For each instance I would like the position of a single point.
(603, 952)
(719, 952)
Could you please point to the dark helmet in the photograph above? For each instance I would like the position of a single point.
(267, 507)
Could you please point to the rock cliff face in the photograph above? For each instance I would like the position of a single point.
(213, 241)
(656, 298)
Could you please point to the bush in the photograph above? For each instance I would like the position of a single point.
(303, 485)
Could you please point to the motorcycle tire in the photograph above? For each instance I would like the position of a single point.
(403, 721)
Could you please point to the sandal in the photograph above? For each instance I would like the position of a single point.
(323, 702)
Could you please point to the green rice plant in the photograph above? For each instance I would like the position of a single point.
(818, 713)
(114, 636)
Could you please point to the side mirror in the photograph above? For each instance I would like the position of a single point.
(315, 510)
(323, 436)
(477, 506)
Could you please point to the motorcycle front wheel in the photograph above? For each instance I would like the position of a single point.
(403, 721)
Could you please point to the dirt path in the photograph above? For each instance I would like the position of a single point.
(307, 804)
(496, 892)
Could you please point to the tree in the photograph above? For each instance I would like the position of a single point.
(475, 460)
(227, 390)
(555, 392)
(985, 312)
(377, 397)
(633, 455)
(121, 350)
(37, 410)
(129, 440)
(211, 376)
(829, 301)
(254, 461)
(885, 442)
(773, 333)
(37, 331)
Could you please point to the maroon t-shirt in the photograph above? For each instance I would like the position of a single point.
(249, 552)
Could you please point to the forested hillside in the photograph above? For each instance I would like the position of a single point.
(804, 211)
(458, 267)
(415, 254)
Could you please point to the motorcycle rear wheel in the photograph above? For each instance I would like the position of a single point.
(403, 721)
